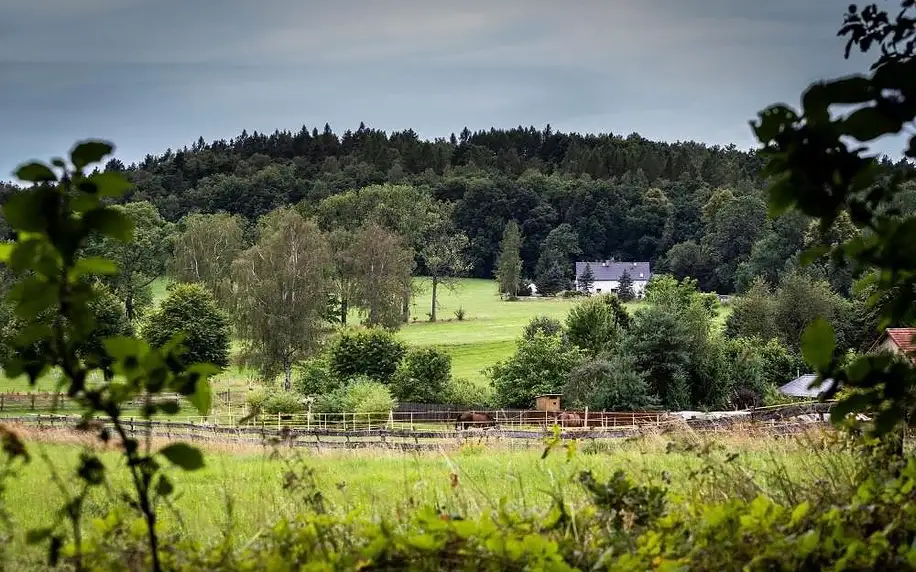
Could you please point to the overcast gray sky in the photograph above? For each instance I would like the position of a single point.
(152, 74)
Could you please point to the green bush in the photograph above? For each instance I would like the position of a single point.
(314, 377)
(335, 401)
(191, 309)
(544, 324)
(373, 353)
(610, 384)
(255, 399)
(359, 395)
(465, 393)
(595, 325)
(368, 396)
(539, 365)
(284, 402)
(423, 375)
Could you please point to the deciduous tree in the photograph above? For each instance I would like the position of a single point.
(445, 257)
(139, 261)
(190, 310)
(281, 292)
(383, 265)
(204, 250)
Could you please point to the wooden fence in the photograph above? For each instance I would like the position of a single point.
(51, 401)
(392, 437)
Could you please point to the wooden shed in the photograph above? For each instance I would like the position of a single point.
(547, 402)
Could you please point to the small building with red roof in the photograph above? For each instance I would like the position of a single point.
(898, 340)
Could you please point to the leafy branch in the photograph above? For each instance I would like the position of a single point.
(53, 219)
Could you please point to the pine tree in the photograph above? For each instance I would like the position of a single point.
(625, 290)
(587, 280)
(552, 281)
(509, 263)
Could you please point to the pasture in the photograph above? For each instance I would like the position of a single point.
(486, 335)
(241, 489)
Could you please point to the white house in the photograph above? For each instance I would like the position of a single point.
(607, 274)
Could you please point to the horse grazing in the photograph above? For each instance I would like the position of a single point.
(474, 419)
(569, 419)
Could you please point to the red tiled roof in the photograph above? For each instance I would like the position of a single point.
(903, 337)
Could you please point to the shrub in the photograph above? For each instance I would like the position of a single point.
(314, 377)
(572, 294)
(544, 324)
(612, 384)
(255, 399)
(282, 402)
(593, 326)
(334, 401)
(374, 353)
(540, 365)
(423, 375)
(465, 393)
(460, 314)
(191, 309)
(359, 395)
(368, 396)
(780, 364)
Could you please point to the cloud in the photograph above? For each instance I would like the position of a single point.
(159, 74)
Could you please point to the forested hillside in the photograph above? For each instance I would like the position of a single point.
(693, 210)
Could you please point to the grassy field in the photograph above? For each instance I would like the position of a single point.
(382, 484)
(486, 335)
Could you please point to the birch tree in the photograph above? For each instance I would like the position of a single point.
(281, 287)
(205, 249)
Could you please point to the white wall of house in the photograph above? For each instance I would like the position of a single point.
(599, 286)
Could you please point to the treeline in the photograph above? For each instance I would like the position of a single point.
(691, 209)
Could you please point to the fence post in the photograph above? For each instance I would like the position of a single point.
(585, 421)
(1, 402)
(278, 421)
(411, 420)
(33, 402)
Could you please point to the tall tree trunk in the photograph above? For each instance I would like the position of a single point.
(405, 308)
(288, 376)
(129, 307)
(344, 308)
(432, 314)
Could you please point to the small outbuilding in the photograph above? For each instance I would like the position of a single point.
(899, 341)
(547, 402)
(798, 387)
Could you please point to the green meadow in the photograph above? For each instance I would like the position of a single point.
(486, 334)
(241, 490)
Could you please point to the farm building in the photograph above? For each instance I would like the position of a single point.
(798, 387)
(898, 341)
(607, 275)
(547, 402)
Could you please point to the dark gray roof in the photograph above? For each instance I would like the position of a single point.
(798, 387)
(608, 270)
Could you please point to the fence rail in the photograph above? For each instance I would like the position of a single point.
(54, 401)
(393, 437)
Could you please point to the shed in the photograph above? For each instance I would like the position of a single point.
(898, 340)
(548, 402)
(798, 387)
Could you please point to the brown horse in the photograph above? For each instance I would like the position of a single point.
(569, 419)
(474, 419)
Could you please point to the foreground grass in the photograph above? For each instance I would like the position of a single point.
(241, 491)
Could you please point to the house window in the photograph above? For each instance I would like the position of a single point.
(598, 291)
